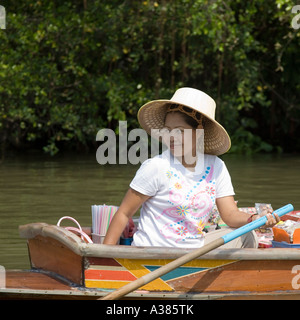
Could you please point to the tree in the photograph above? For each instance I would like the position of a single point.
(70, 68)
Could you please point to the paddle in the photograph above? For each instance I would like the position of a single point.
(192, 255)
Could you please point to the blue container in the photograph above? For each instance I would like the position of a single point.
(283, 244)
(126, 241)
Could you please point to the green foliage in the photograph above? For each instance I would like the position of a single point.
(70, 68)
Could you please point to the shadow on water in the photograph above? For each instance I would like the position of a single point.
(39, 189)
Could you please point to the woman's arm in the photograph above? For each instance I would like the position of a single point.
(129, 206)
(235, 218)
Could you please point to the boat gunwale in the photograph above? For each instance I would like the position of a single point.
(74, 243)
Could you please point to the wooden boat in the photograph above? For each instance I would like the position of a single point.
(66, 267)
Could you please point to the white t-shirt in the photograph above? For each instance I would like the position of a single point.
(181, 200)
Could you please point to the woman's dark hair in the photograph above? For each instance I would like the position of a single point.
(190, 116)
(189, 120)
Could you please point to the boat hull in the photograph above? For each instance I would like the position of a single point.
(90, 271)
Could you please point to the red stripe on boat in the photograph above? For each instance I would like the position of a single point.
(92, 274)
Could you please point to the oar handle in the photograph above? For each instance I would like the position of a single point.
(255, 224)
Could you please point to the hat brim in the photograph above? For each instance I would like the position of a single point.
(216, 139)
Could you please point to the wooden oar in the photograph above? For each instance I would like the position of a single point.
(117, 294)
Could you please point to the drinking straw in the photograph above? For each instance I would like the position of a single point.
(101, 218)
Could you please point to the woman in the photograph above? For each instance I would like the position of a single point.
(179, 188)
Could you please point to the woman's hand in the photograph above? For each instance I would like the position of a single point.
(234, 218)
(271, 221)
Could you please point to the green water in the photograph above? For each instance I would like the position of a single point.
(39, 189)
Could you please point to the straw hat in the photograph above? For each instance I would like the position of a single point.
(216, 139)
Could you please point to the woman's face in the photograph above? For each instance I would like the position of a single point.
(179, 136)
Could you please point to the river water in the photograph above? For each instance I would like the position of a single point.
(36, 188)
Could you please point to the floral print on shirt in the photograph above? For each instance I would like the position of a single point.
(190, 205)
